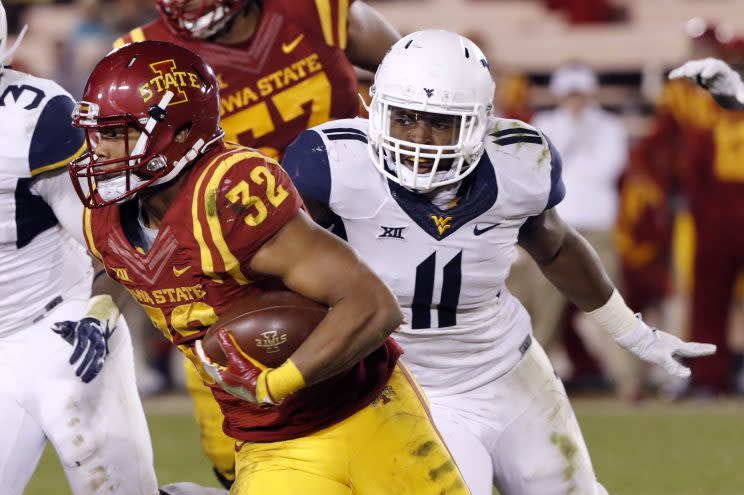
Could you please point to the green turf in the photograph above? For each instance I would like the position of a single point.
(652, 450)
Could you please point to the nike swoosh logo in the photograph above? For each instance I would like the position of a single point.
(479, 231)
(288, 47)
(178, 272)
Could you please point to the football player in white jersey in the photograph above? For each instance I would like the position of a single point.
(65, 375)
(66, 366)
(435, 194)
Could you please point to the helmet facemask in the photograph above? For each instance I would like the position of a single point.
(418, 166)
(439, 75)
(117, 179)
(194, 19)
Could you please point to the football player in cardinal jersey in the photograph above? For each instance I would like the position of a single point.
(435, 194)
(73, 386)
(283, 66)
(188, 224)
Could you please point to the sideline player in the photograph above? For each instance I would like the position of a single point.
(188, 223)
(76, 388)
(283, 66)
(716, 76)
(435, 194)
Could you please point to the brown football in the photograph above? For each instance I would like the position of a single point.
(268, 327)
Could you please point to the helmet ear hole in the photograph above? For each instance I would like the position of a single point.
(182, 133)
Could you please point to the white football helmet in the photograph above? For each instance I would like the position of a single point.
(7, 54)
(438, 72)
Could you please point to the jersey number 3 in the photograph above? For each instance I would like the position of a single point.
(423, 292)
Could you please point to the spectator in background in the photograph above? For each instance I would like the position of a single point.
(689, 168)
(89, 40)
(594, 147)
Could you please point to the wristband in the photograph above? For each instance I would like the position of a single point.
(280, 382)
(615, 317)
(103, 308)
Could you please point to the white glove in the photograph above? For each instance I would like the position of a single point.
(714, 75)
(655, 346)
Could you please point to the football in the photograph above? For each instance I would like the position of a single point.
(268, 326)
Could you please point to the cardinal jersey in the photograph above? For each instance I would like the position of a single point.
(36, 136)
(230, 203)
(291, 75)
(446, 267)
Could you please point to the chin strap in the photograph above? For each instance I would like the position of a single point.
(139, 147)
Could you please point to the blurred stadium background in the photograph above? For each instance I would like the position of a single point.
(647, 435)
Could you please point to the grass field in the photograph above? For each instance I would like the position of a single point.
(655, 449)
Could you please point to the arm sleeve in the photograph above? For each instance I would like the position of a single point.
(55, 142)
(306, 163)
(57, 191)
(557, 187)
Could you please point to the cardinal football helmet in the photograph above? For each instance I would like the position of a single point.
(161, 90)
(437, 72)
(198, 18)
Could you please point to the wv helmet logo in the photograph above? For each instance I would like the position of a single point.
(429, 92)
(442, 223)
(391, 232)
(167, 78)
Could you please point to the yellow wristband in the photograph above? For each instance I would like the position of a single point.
(103, 308)
(280, 382)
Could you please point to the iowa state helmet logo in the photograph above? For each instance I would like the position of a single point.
(167, 78)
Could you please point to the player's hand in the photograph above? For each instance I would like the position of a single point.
(243, 376)
(89, 336)
(714, 75)
(664, 349)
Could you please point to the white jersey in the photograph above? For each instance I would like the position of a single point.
(39, 261)
(447, 267)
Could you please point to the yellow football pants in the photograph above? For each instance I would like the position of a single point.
(389, 447)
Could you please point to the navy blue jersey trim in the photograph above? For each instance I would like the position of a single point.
(340, 137)
(478, 193)
(515, 130)
(55, 141)
(32, 214)
(557, 187)
(518, 139)
(306, 163)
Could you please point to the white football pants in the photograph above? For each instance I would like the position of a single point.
(98, 429)
(518, 433)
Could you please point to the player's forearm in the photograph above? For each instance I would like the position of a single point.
(577, 272)
(356, 326)
(370, 36)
